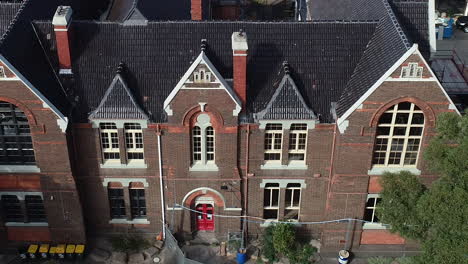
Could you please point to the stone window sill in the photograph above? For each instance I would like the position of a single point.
(374, 226)
(381, 170)
(278, 166)
(267, 223)
(131, 165)
(142, 221)
(19, 168)
(204, 167)
(31, 224)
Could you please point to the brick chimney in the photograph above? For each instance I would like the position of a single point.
(61, 22)
(197, 9)
(239, 51)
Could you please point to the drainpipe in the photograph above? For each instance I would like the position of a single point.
(332, 159)
(161, 190)
(244, 223)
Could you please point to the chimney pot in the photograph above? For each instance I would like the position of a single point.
(61, 22)
(239, 49)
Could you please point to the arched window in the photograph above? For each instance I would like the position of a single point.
(203, 142)
(197, 144)
(399, 135)
(15, 136)
(210, 143)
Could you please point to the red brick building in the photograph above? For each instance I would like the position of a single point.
(279, 121)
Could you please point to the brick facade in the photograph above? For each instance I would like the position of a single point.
(55, 180)
(335, 183)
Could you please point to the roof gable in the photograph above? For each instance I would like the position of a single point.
(118, 102)
(185, 82)
(286, 103)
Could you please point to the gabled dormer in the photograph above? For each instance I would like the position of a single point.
(203, 75)
(118, 101)
(286, 103)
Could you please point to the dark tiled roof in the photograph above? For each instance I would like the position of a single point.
(118, 102)
(23, 50)
(322, 54)
(8, 11)
(414, 18)
(385, 48)
(412, 15)
(153, 10)
(345, 9)
(287, 103)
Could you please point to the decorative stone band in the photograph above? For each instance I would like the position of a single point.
(283, 182)
(124, 181)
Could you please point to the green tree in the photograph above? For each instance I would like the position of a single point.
(284, 237)
(435, 216)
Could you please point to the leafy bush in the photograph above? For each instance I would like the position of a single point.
(302, 254)
(268, 248)
(129, 243)
(279, 240)
(283, 239)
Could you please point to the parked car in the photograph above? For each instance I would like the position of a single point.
(462, 23)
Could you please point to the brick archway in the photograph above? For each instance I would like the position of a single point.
(216, 118)
(190, 197)
(28, 113)
(429, 115)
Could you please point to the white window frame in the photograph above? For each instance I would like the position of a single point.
(289, 205)
(372, 225)
(294, 146)
(413, 70)
(270, 206)
(271, 135)
(202, 76)
(210, 138)
(106, 131)
(203, 123)
(2, 73)
(390, 137)
(134, 132)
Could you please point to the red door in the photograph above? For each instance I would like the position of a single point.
(205, 219)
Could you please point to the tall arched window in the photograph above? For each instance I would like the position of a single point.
(399, 135)
(203, 142)
(15, 136)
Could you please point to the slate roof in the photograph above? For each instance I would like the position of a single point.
(8, 11)
(413, 15)
(118, 101)
(287, 102)
(153, 10)
(20, 46)
(322, 55)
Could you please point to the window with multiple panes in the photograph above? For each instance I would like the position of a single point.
(210, 143)
(197, 144)
(203, 145)
(273, 142)
(372, 203)
(109, 141)
(137, 202)
(116, 203)
(292, 201)
(134, 141)
(12, 209)
(413, 70)
(297, 142)
(271, 201)
(29, 210)
(16, 145)
(35, 208)
(2, 72)
(399, 135)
